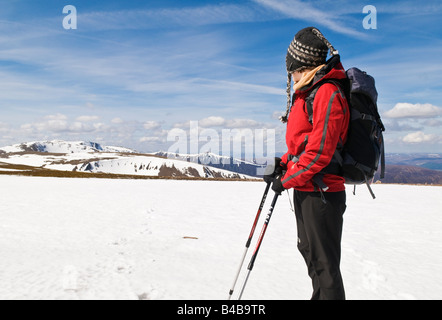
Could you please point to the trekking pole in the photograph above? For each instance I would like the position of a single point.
(255, 254)
(249, 240)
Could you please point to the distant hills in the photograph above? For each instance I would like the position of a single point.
(423, 160)
(414, 168)
(411, 175)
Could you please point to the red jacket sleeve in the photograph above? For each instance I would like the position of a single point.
(328, 122)
(284, 158)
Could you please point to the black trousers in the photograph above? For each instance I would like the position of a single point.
(319, 222)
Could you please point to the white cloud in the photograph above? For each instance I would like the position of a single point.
(87, 118)
(402, 125)
(152, 139)
(4, 127)
(117, 121)
(56, 117)
(59, 123)
(151, 125)
(408, 110)
(277, 114)
(212, 122)
(242, 123)
(420, 137)
(433, 123)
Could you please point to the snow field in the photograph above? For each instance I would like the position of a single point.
(167, 239)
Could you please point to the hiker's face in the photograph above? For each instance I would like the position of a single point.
(296, 76)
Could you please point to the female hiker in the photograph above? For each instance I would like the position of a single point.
(309, 165)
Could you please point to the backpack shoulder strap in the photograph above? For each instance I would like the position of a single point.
(311, 96)
(309, 103)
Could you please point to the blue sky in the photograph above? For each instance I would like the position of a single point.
(134, 70)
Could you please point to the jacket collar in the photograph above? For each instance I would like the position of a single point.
(333, 69)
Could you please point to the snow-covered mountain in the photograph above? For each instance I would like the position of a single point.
(80, 156)
(218, 161)
(61, 146)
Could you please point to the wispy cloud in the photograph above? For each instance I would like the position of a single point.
(171, 17)
(313, 14)
(410, 8)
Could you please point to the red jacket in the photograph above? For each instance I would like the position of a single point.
(315, 144)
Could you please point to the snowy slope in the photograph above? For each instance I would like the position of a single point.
(219, 161)
(152, 166)
(166, 239)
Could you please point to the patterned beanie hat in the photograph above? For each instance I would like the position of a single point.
(308, 49)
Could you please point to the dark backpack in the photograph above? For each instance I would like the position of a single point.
(358, 159)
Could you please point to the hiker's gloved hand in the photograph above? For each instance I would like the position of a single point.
(277, 184)
(272, 170)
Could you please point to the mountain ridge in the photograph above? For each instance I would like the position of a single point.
(91, 157)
